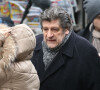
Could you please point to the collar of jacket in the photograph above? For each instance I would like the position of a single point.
(67, 49)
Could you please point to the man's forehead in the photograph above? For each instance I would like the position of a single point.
(50, 22)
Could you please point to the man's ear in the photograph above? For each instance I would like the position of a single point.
(67, 32)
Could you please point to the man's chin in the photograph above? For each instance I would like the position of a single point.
(51, 46)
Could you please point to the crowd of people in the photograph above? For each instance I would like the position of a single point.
(58, 59)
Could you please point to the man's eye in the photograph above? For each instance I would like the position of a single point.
(55, 29)
(45, 29)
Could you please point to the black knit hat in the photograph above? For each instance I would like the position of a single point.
(92, 8)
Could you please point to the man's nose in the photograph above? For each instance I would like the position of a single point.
(49, 34)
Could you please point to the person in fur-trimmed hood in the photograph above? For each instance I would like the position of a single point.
(16, 70)
(92, 30)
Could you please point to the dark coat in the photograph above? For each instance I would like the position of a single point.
(74, 68)
(86, 33)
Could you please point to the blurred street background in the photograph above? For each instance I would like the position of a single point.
(15, 9)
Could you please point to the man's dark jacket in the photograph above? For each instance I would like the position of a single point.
(74, 68)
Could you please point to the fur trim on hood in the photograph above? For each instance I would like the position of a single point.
(18, 46)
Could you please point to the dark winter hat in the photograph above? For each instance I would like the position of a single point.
(92, 8)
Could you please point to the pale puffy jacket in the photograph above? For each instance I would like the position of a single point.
(21, 74)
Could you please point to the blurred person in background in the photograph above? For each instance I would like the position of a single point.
(16, 48)
(63, 59)
(7, 21)
(92, 30)
(43, 4)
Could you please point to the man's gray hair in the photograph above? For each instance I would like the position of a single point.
(54, 13)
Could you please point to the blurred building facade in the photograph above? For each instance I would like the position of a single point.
(15, 9)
